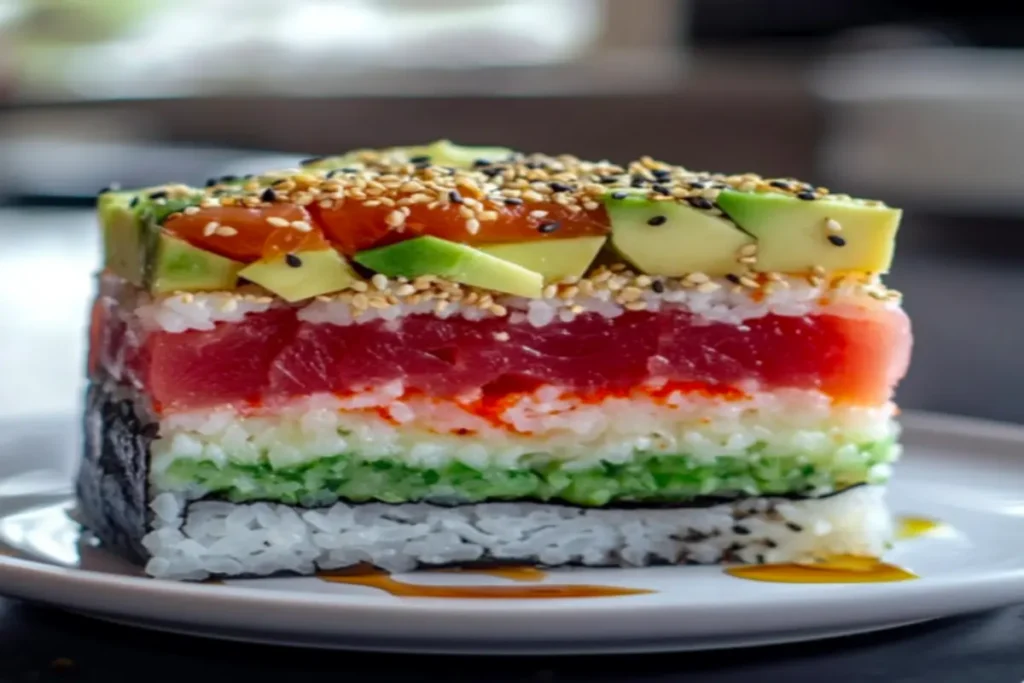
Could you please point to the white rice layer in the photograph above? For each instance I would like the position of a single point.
(792, 296)
(217, 538)
(423, 432)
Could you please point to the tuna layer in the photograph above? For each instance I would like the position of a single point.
(852, 353)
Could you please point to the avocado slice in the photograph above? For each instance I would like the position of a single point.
(794, 234)
(457, 262)
(673, 239)
(302, 275)
(123, 249)
(176, 265)
(439, 153)
(555, 259)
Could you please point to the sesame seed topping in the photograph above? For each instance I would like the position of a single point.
(700, 203)
(278, 222)
(455, 197)
(548, 227)
(268, 195)
(395, 218)
(657, 220)
(806, 195)
(211, 228)
(501, 336)
(292, 260)
(832, 225)
(837, 240)
(658, 286)
(302, 226)
(226, 231)
(559, 187)
(619, 195)
(473, 226)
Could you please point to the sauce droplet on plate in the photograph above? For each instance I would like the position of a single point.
(387, 583)
(912, 527)
(838, 569)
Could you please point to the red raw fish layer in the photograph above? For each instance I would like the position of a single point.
(274, 355)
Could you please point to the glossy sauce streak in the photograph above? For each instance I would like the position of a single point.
(386, 583)
(839, 569)
(912, 527)
(514, 573)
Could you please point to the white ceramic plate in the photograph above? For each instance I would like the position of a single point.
(968, 474)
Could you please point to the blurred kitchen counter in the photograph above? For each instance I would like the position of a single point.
(965, 310)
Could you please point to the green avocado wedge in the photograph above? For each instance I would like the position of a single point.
(457, 262)
(796, 235)
(301, 275)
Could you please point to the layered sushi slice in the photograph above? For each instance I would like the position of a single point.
(444, 355)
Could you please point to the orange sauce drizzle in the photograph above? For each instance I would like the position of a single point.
(838, 569)
(387, 583)
(521, 573)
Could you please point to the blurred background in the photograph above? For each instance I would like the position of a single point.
(917, 103)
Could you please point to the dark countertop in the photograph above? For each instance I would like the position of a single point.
(43, 645)
(966, 311)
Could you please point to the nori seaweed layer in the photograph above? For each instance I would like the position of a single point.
(111, 485)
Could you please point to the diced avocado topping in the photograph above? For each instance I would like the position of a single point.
(673, 239)
(178, 266)
(554, 259)
(301, 275)
(795, 235)
(457, 262)
(439, 153)
(123, 249)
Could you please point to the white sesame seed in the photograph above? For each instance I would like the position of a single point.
(278, 222)
(748, 249)
(210, 228)
(395, 218)
(302, 226)
(473, 226)
(226, 231)
(709, 287)
(501, 336)
(538, 213)
(405, 290)
(832, 225)
(190, 210)
(380, 281)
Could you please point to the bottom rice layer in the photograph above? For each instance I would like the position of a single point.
(193, 541)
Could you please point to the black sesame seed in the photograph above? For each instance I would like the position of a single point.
(513, 201)
(700, 203)
(619, 195)
(733, 278)
(793, 526)
(419, 166)
(421, 159)
(837, 240)
(761, 559)
(480, 163)
(661, 174)
(806, 195)
(455, 197)
(210, 182)
(548, 227)
(639, 181)
(159, 194)
(740, 529)
(609, 179)
(311, 160)
(533, 165)
(697, 184)
(769, 543)
(661, 189)
(559, 187)
(134, 202)
(658, 286)
(349, 169)
(228, 178)
(781, 184)
(492, 171)
(292, 260)
(657, 220)
(333, 172)
(268, 195)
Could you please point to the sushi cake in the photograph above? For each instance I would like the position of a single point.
(446, 355)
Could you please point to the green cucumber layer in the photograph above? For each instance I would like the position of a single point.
(648, 478)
